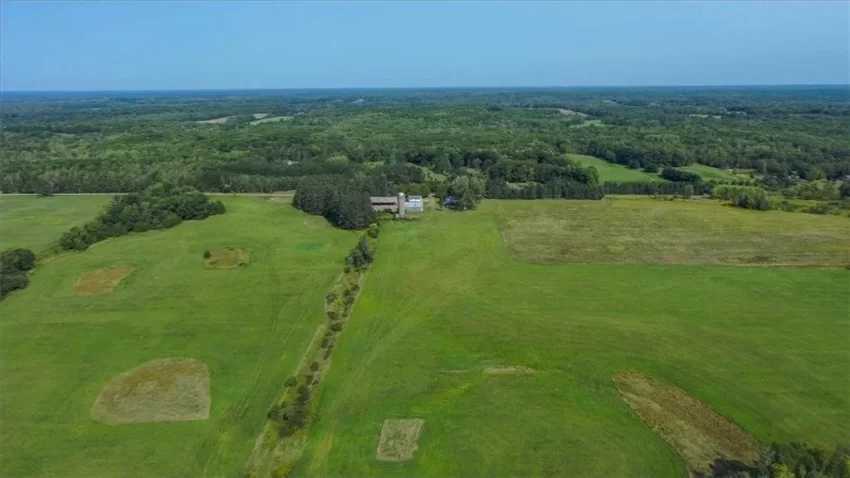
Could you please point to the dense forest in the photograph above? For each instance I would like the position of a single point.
(516, 140)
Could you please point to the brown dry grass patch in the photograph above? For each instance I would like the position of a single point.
(165, 390)
(695, 430)
(101, 281)
(399, 439)
(227, 258)
(509, 370)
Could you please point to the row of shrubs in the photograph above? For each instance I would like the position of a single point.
(292, 416)
(159, 207)
(14, 265)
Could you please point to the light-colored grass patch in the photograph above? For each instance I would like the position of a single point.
(273, 119)
(653, 231)
(697, 432)
(509, 370)
(572, 113)
(399, 439)
(101, 281)
(227, 258)
(165, 390)
(260, 115)
(221, 120)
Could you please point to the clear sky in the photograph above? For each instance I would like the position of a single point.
(221, 45)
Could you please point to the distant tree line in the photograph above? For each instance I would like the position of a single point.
(159, 207)
(558, 188)
(652, 188)
(14, 265)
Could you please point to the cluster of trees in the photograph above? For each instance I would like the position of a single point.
(159, 207)
(362, 255)
(14, 265)
(792, 460)
(744, 197)
(342, 201)
(679, 176)
(466, 192)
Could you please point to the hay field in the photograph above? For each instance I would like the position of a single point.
(765, 347)
(644, 230)
(37, 222)
(613, 172)
(248, 325)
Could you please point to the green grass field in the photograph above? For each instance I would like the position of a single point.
(764, 346)
(37, 223)
(708, 173)
(250, 325)
(613, 172)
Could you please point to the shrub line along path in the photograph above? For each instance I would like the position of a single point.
(267, 455)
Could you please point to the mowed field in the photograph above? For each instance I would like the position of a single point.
(247, 326)
(37, 222)
(449, 298)
(613, 172)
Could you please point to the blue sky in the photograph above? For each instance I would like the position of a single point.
(221, 45)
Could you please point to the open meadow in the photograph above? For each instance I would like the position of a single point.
(84, 348)
(37, 223)
(494, 363)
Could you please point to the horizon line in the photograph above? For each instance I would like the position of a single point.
(362, 88)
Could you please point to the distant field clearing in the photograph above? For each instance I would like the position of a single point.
(273, 119)
(221, 120)
(165, 390)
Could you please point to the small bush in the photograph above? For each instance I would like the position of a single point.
(347, 269)
(291, 382)
(330, 297)
(336, 326)
(333, 315)
(325, 342)
(314, 366)
(207, 254)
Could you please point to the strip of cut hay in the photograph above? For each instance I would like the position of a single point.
(695, 430)
(399, 439)
(509, 370)
(227, 258)
(101, 281)
(164, 390)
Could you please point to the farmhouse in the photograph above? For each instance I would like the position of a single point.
(397, 205)
(414, 204)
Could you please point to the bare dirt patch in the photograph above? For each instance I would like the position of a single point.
(509, 370)
(101, 281)
(695, 430)
(271, 119)
(399, 439)
(260, 115)
(227, 258)
(164, 390)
